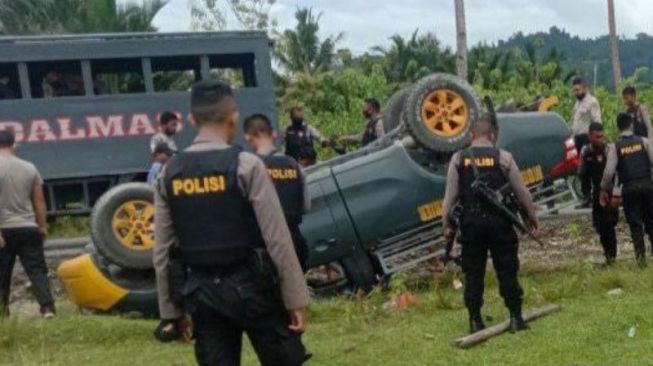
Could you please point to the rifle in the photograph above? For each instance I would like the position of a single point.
(496, 199)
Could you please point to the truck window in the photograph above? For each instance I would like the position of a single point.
(117, 76)
(173, 74)
(237, 69)
(55, 79)
(9, 82)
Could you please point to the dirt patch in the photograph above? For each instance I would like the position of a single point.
(573, 238)
(565, 238)
(21, 299)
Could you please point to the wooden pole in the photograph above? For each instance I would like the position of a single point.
(493, 331)
(614, 45)
(461, 39)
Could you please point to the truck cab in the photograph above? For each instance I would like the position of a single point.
(384, 203)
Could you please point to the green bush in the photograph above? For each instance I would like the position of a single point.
(333, 101)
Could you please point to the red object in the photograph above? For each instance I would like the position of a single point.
(570, 162)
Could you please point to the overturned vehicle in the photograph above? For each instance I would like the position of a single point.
(375, 212)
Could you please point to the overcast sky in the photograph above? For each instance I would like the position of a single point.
(367, 23)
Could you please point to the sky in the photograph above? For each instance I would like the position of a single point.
(368, 23)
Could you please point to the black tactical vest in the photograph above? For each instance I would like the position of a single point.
(595, 161)
(214, 222)
(639, 126)
(633, 163)
(369, 135)
(285, 174)
(488, 165)
(296, 139)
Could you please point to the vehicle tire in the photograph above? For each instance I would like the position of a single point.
(122, 225)
(394, 109)
(440, 111)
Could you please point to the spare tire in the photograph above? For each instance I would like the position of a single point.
(440, 111)
(394, 109)
(122, 225)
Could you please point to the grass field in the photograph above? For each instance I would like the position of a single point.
(592, 329)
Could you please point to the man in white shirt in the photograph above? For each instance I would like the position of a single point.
(586, 111)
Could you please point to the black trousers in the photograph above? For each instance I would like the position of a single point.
(301, 248)
(27, 245)
(481, 234)
(605, 220)
(638, 207)
(225, 307)
(586, 182)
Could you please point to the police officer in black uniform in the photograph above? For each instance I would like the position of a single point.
(631, 159)
(300, 136)
(286, 175)
(639, 112)
(374, 128)
(218, 205)
(604, 217)
(482, 228)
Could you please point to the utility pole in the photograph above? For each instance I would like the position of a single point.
(461, 39)
(614, 45)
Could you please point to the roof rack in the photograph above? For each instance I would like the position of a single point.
(132, 36)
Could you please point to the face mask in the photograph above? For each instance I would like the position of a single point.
(367, 114)
(580, 96)
(297, 121)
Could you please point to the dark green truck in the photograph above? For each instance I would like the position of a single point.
(375, 212)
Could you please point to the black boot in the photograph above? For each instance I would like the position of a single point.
(517, 322)
(475, 321)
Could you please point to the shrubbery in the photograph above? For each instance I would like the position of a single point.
(333, 101)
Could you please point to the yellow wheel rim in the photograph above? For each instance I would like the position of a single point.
(133, 225)
(445, 113)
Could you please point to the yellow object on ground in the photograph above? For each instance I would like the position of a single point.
(87, 287)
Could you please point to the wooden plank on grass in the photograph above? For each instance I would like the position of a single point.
(493, 331)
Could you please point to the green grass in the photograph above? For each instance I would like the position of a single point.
(591, 330)
(69, 227)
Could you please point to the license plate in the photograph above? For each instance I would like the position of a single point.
(532, 176)
(430, 211)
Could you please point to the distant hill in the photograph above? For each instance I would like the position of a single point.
(586, 54)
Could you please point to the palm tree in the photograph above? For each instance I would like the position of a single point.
(300, 50)
(407, 60)
(76, 16)
(614, 45)
(489, 67)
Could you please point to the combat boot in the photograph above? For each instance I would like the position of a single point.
(475, 321)
(517, 322)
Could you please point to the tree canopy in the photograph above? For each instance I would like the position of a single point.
(24, 17)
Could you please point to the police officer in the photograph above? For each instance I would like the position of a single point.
(604, 217)
(217, 204)
(373, 128)
(631, 159)
(301, 136)
(639, 112)
(482, 228)
(286, 175)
